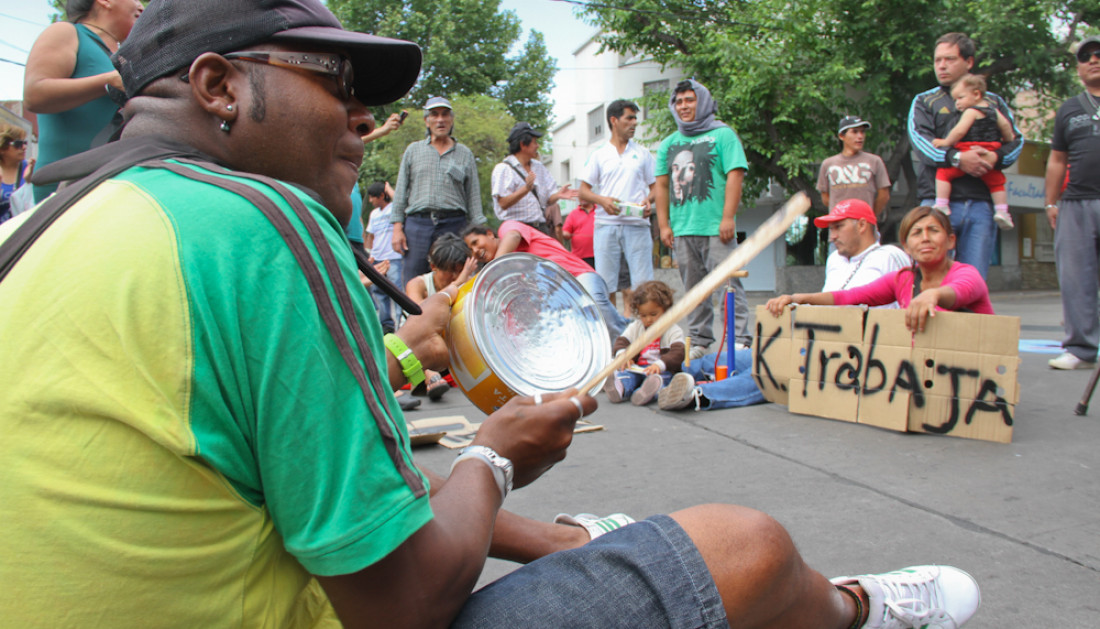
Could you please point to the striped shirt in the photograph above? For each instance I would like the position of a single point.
(506, 181)
(430, 181)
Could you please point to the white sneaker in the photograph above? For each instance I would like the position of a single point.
(614, 389)
(919, 597)
(697, 352)
(1068, 361)
(1003, 220)
(595, 525)
(679, 393)
(644, 394)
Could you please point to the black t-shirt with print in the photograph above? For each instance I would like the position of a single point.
(1077, 132)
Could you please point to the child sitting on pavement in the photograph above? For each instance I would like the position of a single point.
(654, 366)
(980, 125)
(451, 263)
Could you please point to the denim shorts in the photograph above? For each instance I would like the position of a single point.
(648, 574)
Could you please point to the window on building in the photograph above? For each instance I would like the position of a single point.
(596, 123)
(566, 175)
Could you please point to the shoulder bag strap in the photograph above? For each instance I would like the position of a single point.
(523, 178)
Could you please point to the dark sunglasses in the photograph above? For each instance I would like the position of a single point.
(333, 65)
(1085, 57)
(19, 144)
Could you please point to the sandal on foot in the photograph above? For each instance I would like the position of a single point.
(437, 386)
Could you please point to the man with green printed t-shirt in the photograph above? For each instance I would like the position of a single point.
(700, 169)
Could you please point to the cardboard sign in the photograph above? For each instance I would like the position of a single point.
(958, 377)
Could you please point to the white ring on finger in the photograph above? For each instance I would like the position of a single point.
(580, 407)
(538, 399)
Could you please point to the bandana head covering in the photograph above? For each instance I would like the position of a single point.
(705, 109)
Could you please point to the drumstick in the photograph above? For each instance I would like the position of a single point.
(771, 229)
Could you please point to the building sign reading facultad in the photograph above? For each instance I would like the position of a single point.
(957, 378)
(1025, 191)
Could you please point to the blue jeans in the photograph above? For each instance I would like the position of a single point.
(975, 232)
(739, 389)
(632, 380)
(615, 322)
(613, 242)
(420, 232)
(387, 308)
(646, 574)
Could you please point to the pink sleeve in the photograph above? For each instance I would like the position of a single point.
(878, 293)
(968, 285)
(570, 222)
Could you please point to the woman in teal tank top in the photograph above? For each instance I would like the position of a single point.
(68, 71)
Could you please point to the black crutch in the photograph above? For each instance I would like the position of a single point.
(1083, 405)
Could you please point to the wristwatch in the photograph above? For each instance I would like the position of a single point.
(501, 466)
(410, 364)
(955, 159)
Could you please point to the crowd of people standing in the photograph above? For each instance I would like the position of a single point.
(216, 440)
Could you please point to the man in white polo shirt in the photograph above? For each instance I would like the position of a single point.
(623, 172)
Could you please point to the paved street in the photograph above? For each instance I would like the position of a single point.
(1023, 518)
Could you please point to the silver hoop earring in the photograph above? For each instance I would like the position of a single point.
(224, 126)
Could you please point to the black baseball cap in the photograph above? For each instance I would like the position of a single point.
(522, 128)
(1081, 49)
(170, 34)
(851, 122)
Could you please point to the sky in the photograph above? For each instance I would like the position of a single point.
(21, 21)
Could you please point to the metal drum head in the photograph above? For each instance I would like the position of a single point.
(538, 330)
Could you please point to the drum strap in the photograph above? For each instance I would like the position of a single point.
(369, 380)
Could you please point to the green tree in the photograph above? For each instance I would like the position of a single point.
(481, 123)
(466, 44)
(783, 73)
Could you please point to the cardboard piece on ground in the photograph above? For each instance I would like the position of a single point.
(887, 346)
(825, 361)
(455, 431)
(958, 377)
(969, 367)
(771, 354)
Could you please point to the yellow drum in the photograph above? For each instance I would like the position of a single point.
(522, 326)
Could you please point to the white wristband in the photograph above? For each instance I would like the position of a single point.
(501, 466)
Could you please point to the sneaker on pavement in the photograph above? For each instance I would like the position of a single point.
(919, 597)
(697, 352)
(1003, 220)
(595, 525)
(679, 393)
(614, 389)
(1068, 361)
(407, 403)
(645, 393)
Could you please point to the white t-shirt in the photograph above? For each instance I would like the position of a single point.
(380, 226)
(625, 177)
(864, 268)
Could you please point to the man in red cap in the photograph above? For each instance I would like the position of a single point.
(859, 257)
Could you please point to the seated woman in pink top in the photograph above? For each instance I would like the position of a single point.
(516, 236)
(934, 282)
